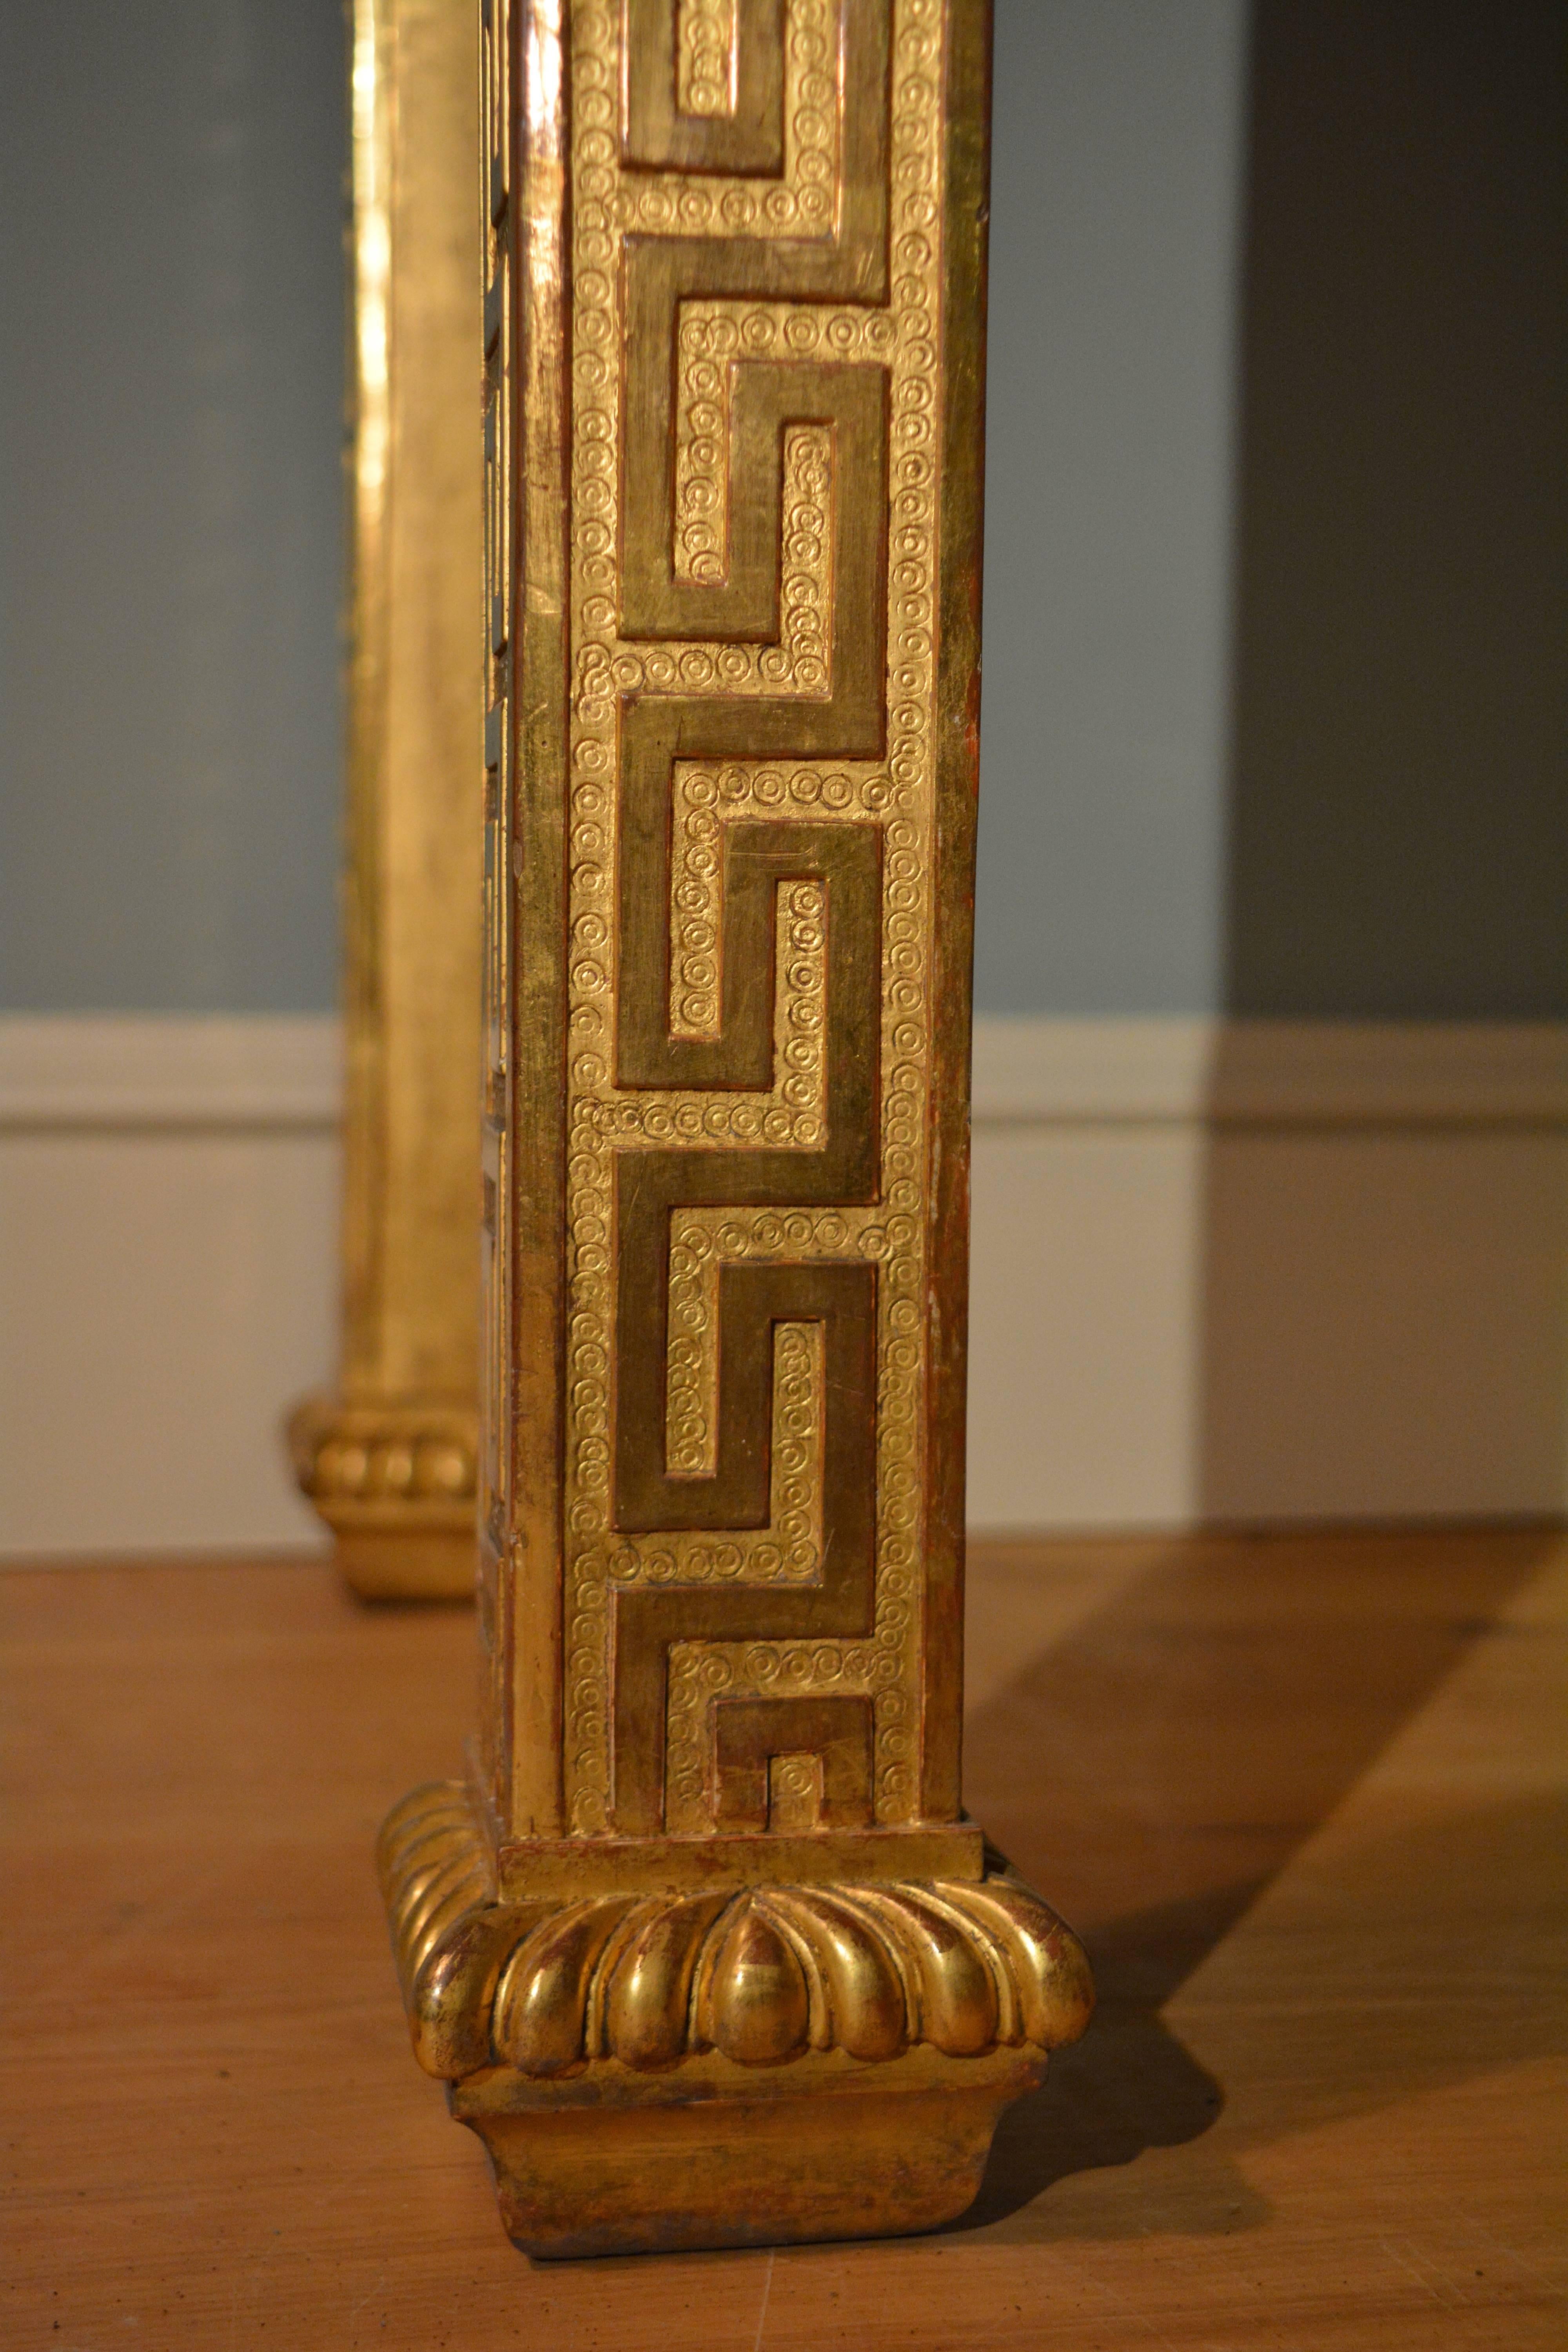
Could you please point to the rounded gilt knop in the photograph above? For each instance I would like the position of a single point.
(648, 1998)
(1045, 1966)
(955, 1993)
(762, 1975)
(542, 1999)
(754, 2006)
(865, 2012)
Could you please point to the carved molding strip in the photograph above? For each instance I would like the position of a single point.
(762, 1975)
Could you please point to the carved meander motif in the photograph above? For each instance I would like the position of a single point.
(749, 851)
(733, 372)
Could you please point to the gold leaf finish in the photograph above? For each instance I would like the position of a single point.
(389, 1458)
(763, 1975)
(732, 797)
(706, 1946)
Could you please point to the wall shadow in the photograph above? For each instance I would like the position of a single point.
(1397, 844)
(1383, 1326)
(1385, 1319)
(1382, 1323)
(1184, 1740)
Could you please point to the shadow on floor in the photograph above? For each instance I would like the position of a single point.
(1183, 1741)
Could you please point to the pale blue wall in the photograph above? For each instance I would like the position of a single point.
(1117, 138)
(1271, 722)
(171, 389)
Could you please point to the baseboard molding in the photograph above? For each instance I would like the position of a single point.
(134, 1073)
(1269, 1073)
(138, 1071)
(1261, 1274)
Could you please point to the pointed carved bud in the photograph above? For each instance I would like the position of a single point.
(757, 1997)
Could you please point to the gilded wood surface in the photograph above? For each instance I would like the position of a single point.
(733, 2066)
(389, 1458)
(761, 1976)
(734, 342)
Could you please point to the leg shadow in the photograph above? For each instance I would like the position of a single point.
(1153, 1771)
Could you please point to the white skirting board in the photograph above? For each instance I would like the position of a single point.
(1257, 1273)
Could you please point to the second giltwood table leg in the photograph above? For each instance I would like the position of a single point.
(388, 1458)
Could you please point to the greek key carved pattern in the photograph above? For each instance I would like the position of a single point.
(755, 271)
(706, 52)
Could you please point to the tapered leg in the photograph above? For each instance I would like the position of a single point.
(706, 1946)
(388, 1458)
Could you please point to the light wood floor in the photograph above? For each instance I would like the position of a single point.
(1302, 1795)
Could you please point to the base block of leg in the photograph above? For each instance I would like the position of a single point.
(731, 2065)
(720, 2155)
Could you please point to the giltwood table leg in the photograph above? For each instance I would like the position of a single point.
(704, 1945)
(389, 1459)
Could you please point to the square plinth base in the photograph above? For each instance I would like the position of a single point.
(712, 2154)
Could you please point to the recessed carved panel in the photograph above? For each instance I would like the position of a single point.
(728, 836)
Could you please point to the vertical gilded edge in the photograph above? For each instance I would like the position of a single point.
(967, 198)
(537, 707)
(367, 458)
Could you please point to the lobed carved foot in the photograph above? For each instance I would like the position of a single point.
(855, 2042)
(395, 1485)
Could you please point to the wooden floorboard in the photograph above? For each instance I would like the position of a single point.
(1303, 1795)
